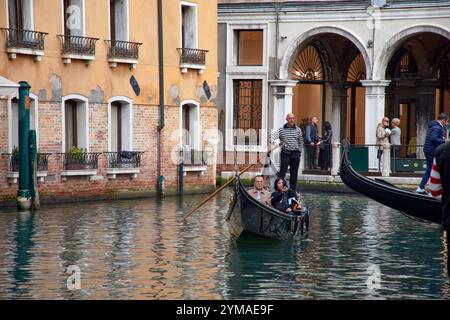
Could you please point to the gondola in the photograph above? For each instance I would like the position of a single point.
(247, 215)
(416, 205)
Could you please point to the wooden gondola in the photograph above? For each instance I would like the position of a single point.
(248, 215)
(413, 204)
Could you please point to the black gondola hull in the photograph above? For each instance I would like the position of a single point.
(416, 205)
(246, 214)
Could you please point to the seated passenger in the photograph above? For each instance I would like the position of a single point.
(283, 198)
(258, 192)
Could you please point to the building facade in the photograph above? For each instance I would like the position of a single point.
(106, 123)
(347, 62)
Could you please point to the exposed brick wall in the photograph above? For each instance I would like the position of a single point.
(145, 122)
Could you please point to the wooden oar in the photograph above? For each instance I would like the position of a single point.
(187, 215)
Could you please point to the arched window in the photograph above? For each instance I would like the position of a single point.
(307, 65)
(120, 124)
(14, 121)
(75, 119)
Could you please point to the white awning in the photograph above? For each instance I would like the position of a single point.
(8, 87)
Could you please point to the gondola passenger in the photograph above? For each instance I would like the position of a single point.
(283, 198)
(258, 192)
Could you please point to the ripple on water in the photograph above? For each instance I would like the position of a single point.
(142, 249)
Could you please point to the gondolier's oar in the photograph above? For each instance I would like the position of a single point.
(187, 215)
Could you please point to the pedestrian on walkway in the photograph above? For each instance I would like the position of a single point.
(325, 147)
(396, 134)
(436, 135)
(383, 133)
(290, 138)
(312, 141)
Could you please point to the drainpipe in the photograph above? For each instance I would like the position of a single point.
(161, 97)
(277, 8)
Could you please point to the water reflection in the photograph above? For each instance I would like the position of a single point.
(142, 249)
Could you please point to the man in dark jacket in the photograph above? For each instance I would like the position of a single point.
(311, 142)
(436, 135)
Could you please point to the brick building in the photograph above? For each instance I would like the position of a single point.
(96, 104)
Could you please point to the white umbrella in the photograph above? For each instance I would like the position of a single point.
(8, 87)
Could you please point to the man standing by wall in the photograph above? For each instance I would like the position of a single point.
(312, 140)
(436, 135)
(291, 141)
(440, 189)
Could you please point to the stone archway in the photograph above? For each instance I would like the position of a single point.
(390, 47)
(295, 46)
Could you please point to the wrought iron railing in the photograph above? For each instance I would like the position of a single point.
(27, 39)
(123, 49)
(78, 45)
(80, 161)
(42, 162)
(194, 157)
(124, 159)
(192, 56)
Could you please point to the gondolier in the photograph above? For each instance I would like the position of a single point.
(290, 138)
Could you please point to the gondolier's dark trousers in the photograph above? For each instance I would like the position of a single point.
(290, 159)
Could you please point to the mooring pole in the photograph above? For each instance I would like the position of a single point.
(33, 171)
(24, 195)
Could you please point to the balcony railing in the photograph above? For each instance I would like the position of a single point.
(42, 162)
(195, 158)
(124, 159)
(192, 56)
(123, 49)
(26, 39)
(78, 45)
(80, 161)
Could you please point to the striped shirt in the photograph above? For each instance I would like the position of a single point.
(291, 137)
(435, 182)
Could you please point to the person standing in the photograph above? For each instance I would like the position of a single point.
(436, 135)
(395, 136)
(325, 147)
(291, 141)
(312, 141)
(383, 133)
(440, 189)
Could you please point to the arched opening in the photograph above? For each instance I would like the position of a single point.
(75, 118)
(419, 87)
(120, 125)
(329, 68)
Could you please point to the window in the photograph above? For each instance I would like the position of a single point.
(20, 14)
(118, 19)
(121, 126)
(190, 125)
(249, 47)
(74, 18)
(76, 130)
(247, 111)
(14, 124)
(188, 26)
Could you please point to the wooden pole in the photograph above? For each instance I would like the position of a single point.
(187, 215)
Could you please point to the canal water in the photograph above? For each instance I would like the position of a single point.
(141, 249)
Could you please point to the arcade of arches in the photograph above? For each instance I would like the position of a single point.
(329, 68)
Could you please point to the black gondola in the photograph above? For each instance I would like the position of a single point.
(248, 215)
(413, 204)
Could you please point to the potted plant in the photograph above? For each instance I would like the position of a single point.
(75, 159)
(15, 159)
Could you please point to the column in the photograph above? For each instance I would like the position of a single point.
(282, 101)
(425, 111)
(339, 111)
(375, 109)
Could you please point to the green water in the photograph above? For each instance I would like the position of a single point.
(141, 249)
